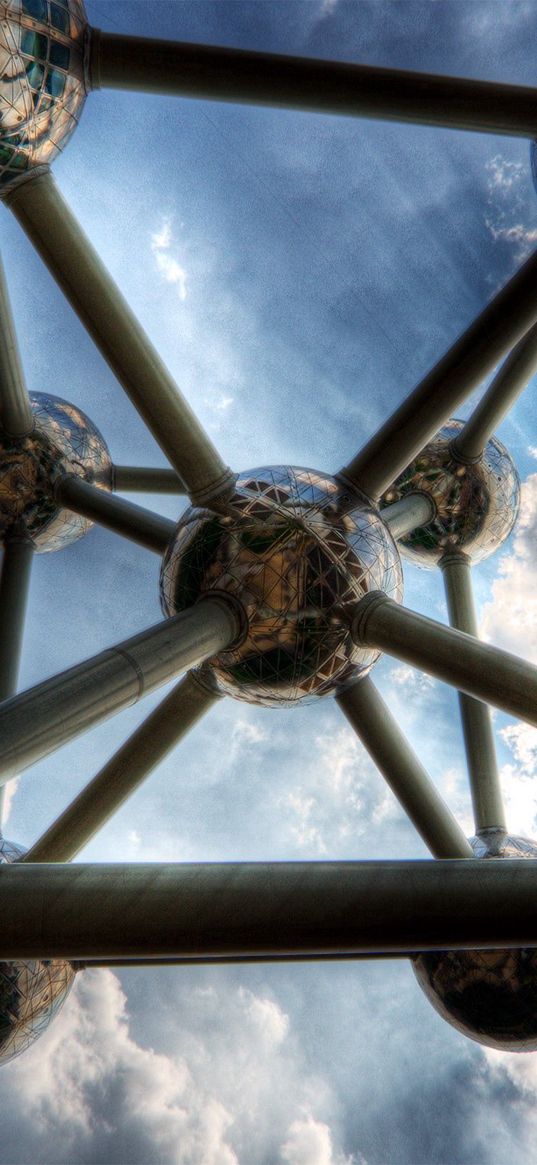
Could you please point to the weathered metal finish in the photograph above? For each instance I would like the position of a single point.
(416, 509)
(135, 479)
(487, 798)
(129, 766)
(16, 417)
(14, 584)
(509, 382)
(131, 521)
(69, 256)
(381, 736)
(226, 74)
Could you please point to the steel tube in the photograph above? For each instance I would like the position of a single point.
(134, 479)
(485, 787)
(415, 509)
(306, 908)
(482, 671)
(509, 382)
(71, 259)
(14, 585)
(16, 416)
(500, 325)
(129, 766)
(380, 734)
(234, 75)
(134, 522)
(36, 722)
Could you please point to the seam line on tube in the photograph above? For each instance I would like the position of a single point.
(135, 667)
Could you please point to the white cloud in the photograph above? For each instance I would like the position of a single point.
(507, 208)
(9, 792)
(309, 1142)
(510, 618)
(167, 265)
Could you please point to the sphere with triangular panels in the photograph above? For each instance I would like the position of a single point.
(31, 990)
(299, 551)
(63, 440)
(476, 504)
(489, 995)
(42, 88)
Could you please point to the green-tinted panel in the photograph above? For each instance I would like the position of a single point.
(34, 44)
(55, 83)
(59, 18)
(59, 54)
(35, 8)
(35, 74)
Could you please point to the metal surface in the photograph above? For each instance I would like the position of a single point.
(15, 571)
(298, 551)
(134, 522)
(477, 668)
(129, 766)
(57, 236)
(132, 478)
(16, 416)
(123, 911)
(44, 717)
(227, 74)
(509, 382)
(475, 716)
(380, 734)
(501, 324)
(403, 516)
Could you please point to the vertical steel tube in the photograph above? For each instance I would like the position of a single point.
(16, 417)
(507, 385)
(381, 736)
(134, 522)
(14, 583)
(69, 256)
(415, 509)
(134, 479)
(475, 716)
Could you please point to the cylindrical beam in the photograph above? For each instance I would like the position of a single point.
(500, 325)
(135, 479)
(234, 75)
(16, 417)
(71, 259)
(482, 671)
(380, 734)
(509, 382)
(122, 774)
(306, 908)
(14, 583)
(36, 722)
(475, 716)
(414, 510)
(131, 521)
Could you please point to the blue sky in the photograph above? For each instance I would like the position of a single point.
(298, 274)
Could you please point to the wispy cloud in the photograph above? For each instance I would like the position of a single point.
(162, 245)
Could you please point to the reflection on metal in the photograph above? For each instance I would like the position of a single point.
(42, 88)
(298, 551)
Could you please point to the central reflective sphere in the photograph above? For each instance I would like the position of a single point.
(299, 551)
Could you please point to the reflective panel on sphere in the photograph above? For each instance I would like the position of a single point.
(64, 440)
(299, 552)
(490, 996)
(42, 88)
(476, 505)
(31, 990)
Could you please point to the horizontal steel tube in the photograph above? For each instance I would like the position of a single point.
(134, 522)
(268, 908)
(226, 74)
(380, 734)
(412, 511)
(135, 479)
(515, 373)
(71, 259)
(500, 325)
(16, 416)
(122, 774)
(482, 671)
(36, 722)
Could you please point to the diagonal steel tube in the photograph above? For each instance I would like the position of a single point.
(482, 671)
(122, 774)
(135, 479)
(71, 259)
(144, 910)
(475, 716)
(16, 416)
(225, 74)
(36, 722)
(14, 584)
(415, 509)
(380, 734)
(131, 521)
(500, 325)
(509, 382)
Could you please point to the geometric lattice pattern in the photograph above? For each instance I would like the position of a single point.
(476, 505)
(63, 440)
(490, 996)
(42, 87)
(31, 991)
(299, 551)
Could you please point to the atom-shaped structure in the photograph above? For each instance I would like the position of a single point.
(279, 584)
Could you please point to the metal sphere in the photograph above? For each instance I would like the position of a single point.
(42, 88)
(63, 440)
(490, 996)
(299, 552)
(476, 505)
(31, 990)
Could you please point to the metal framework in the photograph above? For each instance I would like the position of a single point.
(216, 912)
